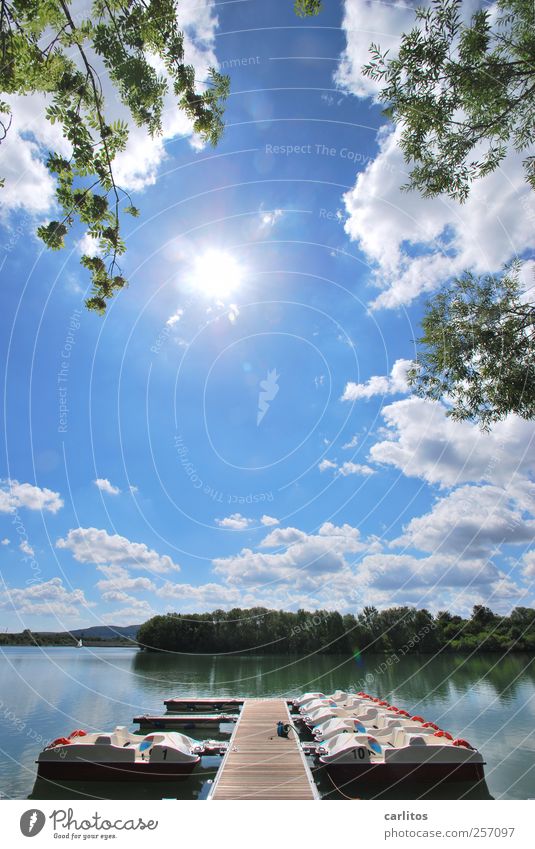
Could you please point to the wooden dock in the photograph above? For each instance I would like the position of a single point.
(260, 765)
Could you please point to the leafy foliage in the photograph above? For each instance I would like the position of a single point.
(403, 630)
(307, 8)
(479, 349)
(45, 50)
(462, 94)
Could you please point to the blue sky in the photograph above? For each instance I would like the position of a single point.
(238, 430)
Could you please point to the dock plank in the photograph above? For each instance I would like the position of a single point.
(260, 765)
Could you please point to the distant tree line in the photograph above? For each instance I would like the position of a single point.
(262, 631)
(61, 638)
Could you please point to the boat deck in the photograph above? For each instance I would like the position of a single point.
(188, 719)
(260, 765)
(203, 704)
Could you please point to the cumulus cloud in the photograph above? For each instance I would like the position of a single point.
(204, 595)
(305, 558)
(415, 244)
(117, 580)
(327, 464)
(5, 541)
(48, 597)
(347, 468)
(269, 520)
(395, 384)
(26, 548)
(405, 572)
(14, 495)
(472, 521)
(367, 21)
(91, 545)
(529, 564)
(235, 521)
(139, 610)
(422, 441)
(105, 486)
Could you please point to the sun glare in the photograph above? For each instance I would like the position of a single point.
(216, 273)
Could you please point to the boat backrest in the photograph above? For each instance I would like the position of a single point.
(366, 715)
(120, 736)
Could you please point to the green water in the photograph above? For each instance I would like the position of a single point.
(46, 693)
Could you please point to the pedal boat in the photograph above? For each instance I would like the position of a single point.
(400, 754)
(119, 756)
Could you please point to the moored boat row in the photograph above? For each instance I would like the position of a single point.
(362, 736)
(356, 736)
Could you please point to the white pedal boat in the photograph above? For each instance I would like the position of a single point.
(339, 697)
(120, 756)
(369, 722)
(404, 755)
(364, 713)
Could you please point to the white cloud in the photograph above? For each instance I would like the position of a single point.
(472, 521)
(415, 244)
(347, 468)
(203, 596)
(327, 464)
(89, 245)
(26, 548)
(105, 486)
(235, 521)
(48, 597)
(269, 520)
(529, 564)
(14, 495)
(29, 186)
(405, 572)
(308, 558)
(353, 442)
(422, 441)
(5, 541)
(364, 22)
(117, 579)
(283, 537)
(392, 385)
(138, 611)
(91, 545)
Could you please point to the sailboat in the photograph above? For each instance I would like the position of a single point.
(79, 644)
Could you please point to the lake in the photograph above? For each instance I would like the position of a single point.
(46, 693)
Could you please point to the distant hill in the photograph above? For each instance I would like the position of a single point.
(107, 632)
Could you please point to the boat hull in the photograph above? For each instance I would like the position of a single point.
(85, 771)
(392, 773)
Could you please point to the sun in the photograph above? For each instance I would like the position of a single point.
(216, 273)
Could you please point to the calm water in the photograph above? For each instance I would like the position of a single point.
(46, 693)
